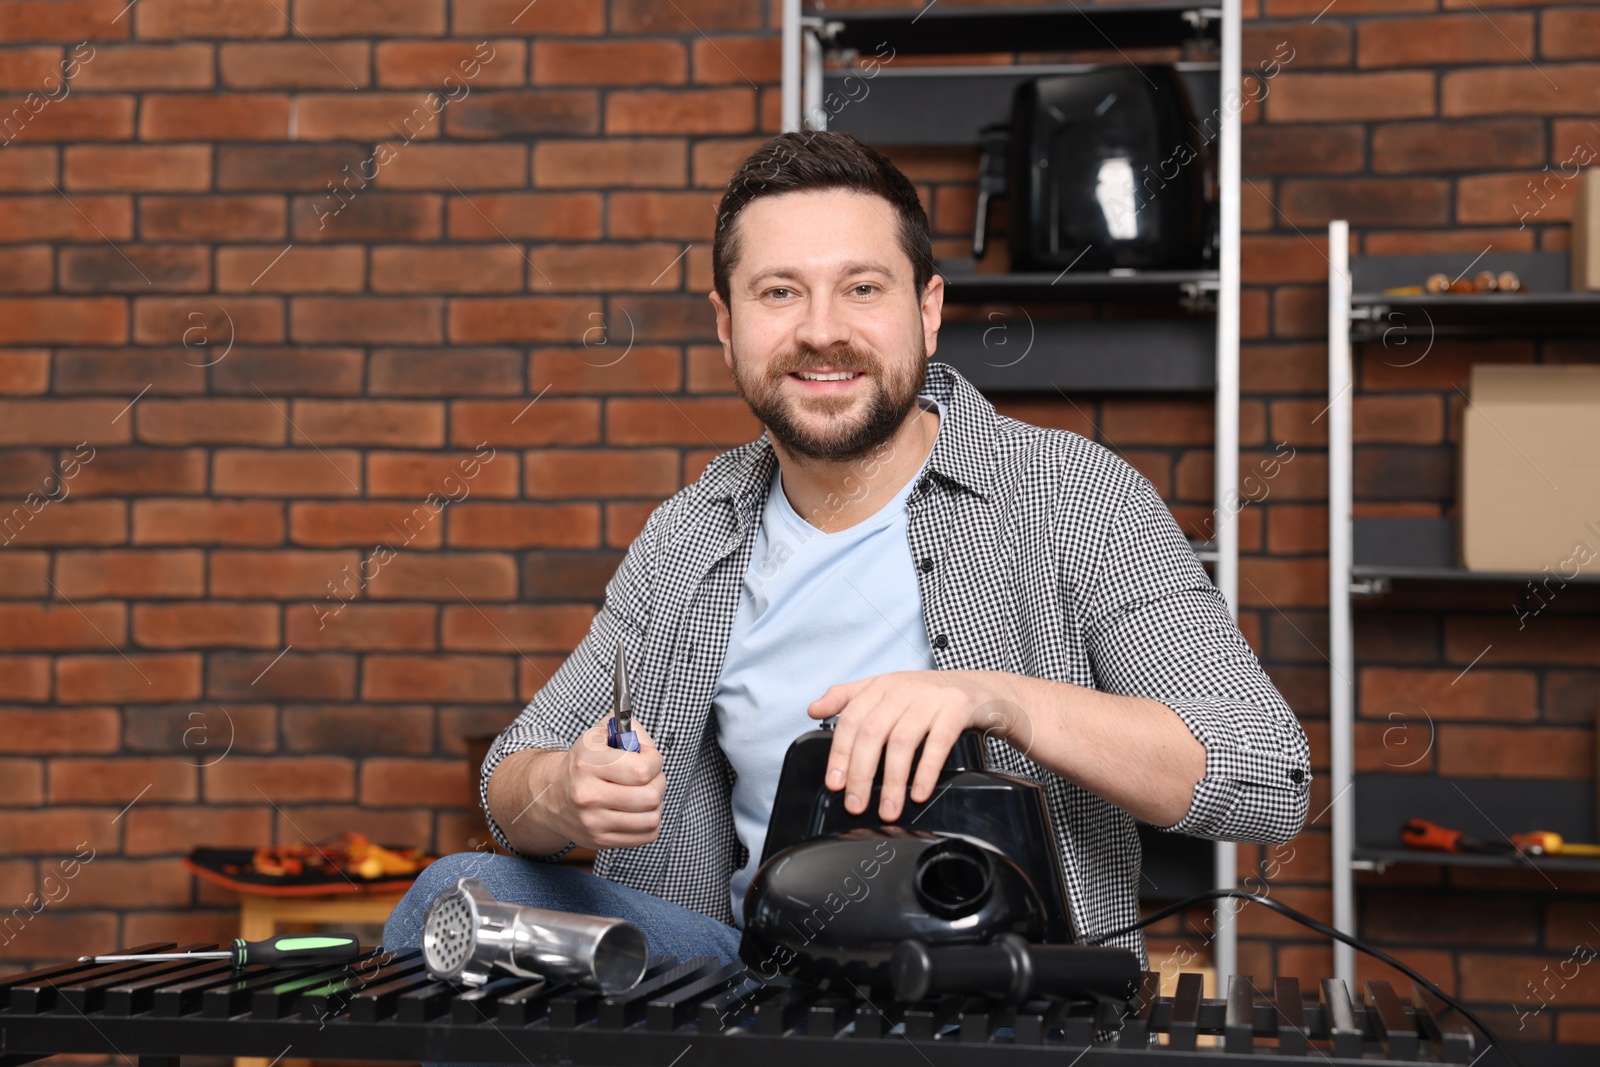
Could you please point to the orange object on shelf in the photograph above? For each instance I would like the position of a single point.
(1431, 837)
(1550, 843)
(349, 864)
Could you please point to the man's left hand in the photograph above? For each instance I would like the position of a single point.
(888, 715)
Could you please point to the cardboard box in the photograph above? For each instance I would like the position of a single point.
(1586, 232)
(1530, 483)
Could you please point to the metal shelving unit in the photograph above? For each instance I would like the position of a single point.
(1195, 349)
(1367, 556)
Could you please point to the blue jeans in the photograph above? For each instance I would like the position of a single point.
(669, 928)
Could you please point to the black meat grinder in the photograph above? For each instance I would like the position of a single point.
(962, 894)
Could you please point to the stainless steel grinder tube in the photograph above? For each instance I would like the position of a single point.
(468, 935)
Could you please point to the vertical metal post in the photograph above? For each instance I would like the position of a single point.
(790, 45)
(1341, 633)
(1226, 945)
(816, 116)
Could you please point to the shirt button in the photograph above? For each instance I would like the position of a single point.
(1297, 775)
(926, 564)
(941, 641)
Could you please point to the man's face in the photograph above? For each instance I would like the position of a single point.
(827, 338)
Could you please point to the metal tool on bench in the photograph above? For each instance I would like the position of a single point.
(386, 1006)
(285, 950)
(469, 936)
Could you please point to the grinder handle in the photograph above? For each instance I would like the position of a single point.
(1012, 970)
(992, 163)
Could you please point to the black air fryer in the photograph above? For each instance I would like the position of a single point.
(1107, 169)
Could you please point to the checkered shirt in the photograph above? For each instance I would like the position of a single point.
(1040, 553)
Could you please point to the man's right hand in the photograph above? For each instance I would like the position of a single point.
(603, 797)
(591, 794)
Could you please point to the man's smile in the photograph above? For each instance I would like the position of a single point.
(826, 381)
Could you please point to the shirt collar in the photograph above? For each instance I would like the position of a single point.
(962, 454)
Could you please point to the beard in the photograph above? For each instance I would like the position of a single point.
(891, 394)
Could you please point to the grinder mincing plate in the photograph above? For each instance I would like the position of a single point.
(467, 935)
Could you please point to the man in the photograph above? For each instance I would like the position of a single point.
(895, 558)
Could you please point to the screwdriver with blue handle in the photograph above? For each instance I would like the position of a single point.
(285, 950)
(619, 729)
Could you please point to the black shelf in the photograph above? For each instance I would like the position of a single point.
(952, 105)
(964, 285)
(1423, 550)
(1019, 354)
(938, 30)
(1415, 857)
(1476, 315)
(1545, 308)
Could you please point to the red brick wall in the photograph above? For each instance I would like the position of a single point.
(261, 419)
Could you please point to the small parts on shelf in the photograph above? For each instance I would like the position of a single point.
(1431, 837)
(352, 853)
(1485, 281)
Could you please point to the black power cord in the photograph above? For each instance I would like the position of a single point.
(1325, 930)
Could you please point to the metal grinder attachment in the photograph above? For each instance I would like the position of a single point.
(468, 935)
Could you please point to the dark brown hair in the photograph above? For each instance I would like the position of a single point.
(795, 162)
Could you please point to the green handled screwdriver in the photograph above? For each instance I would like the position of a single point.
(285, 950)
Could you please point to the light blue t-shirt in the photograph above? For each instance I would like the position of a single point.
(816, 609)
